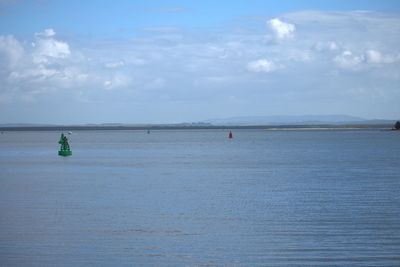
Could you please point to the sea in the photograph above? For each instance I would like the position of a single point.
(197, 198)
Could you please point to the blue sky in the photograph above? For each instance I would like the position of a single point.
(175, 61)
(109, 17)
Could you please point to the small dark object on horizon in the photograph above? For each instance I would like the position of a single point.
(396, 125)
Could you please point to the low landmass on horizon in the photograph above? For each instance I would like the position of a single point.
(245, 122)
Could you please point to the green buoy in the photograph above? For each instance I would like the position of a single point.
(64, 149)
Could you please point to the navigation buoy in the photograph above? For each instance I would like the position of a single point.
(230, 135)
(64, 149)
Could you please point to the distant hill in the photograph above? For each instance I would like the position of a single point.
(301, 120)
(245, 122)
(25, 125)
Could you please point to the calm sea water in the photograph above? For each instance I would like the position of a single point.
(196, 198)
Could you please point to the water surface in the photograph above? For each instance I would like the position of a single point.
(196, 198)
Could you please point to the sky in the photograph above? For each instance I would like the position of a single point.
(77, 62)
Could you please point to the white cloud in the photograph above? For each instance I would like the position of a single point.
(39, 68)
(282, 30)
(107, 84)
(199, 66)
(11, 49)
(115, 64)
(117, 81)
(326, 46)
(333, 46)
(262, 65)
(33, 75)
(47, 49)
(348, 61)
(376, 57)
(46, 33)
(371, 58)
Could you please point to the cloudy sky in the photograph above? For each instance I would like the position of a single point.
(183, 61)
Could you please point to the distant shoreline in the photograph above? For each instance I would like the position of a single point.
(196, 127)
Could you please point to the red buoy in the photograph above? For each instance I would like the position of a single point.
(230, 135)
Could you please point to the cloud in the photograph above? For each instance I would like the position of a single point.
(326, 46)
(262, 65)
(333, 55)
(115, 64)
(46, 33)
(44, 66)
(347, 60)
(371, 58)
(376, 57)
(11, 50)
(117, 81)
(282, 30)
(47, 48)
